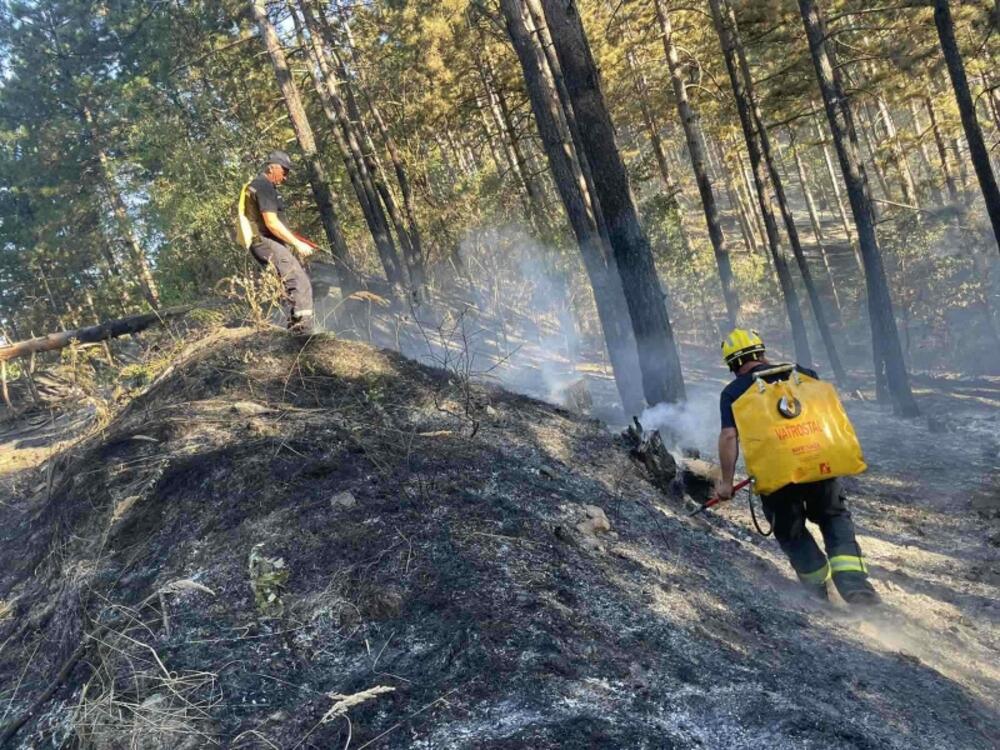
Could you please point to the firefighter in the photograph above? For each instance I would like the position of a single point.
(263, 231)
(788, 508)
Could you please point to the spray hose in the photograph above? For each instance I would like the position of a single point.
(736, 488)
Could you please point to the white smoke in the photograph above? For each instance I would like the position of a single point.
(693, 423)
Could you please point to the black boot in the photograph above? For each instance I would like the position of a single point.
(855, 589)
(817, 591)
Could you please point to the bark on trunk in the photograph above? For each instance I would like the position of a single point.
(724, 26)
(572, 186)
(887, 352)
(697, 151)
(658, 358)
(318, 179)
(967, 108)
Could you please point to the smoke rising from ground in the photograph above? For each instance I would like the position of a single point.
(690, 424)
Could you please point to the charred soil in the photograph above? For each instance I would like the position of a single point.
(275, 528)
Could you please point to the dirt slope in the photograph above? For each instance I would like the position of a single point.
(440, 540)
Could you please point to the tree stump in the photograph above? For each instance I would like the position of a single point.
(648, 450)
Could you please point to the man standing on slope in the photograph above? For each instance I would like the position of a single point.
(788, 507)
(262, 230)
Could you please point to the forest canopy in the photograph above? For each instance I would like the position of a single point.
(652, 171)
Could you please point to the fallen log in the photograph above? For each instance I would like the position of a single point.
(108, 330)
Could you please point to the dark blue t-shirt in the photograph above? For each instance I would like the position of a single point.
(739, 386)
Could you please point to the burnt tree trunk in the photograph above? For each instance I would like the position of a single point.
(658, 358)
(398, 162)
(887, 352)
(350, 151)
(571, 184)
(967, 108)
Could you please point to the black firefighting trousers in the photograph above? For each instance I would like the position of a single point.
(823, 504)
(298, 289)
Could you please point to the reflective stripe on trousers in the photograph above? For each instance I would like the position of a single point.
(847, 564)
(816, 577)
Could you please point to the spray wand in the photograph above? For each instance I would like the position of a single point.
(716, 500)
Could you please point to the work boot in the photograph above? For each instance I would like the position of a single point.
(817, 591)
(855, 589)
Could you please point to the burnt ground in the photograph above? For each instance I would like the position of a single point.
(465, 571)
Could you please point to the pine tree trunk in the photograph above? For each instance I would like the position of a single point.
(777, 183)
(658, 358)
(140, 263)
(967, 108)
(925, 155)
(817, 228)
(749, 192)
(539, 27)
(350, 151)
(870, 137)
(322, 193)
(942, 149)
(735, 198)
(898, 156)
(697, 151)
(398, 163)
(960, 159)
(641, 89)
(838, 197)
(381, 206)
(887, 352)
(725, 28)
(571, 185)
(501, 117)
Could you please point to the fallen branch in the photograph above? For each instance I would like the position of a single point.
(108, 330)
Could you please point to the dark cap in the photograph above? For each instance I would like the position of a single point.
(280, 158)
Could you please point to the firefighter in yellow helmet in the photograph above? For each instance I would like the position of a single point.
(788, 508)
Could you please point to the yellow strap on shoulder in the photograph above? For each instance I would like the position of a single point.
(244, 232)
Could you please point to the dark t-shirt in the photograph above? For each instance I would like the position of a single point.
(739, 386)
(262, 196)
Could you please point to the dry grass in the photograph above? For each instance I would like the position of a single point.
(134, 700)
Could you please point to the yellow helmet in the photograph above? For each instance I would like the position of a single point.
(741, 343)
